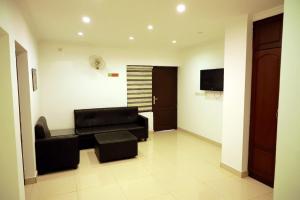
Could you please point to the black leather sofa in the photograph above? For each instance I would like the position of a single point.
(54, 153)
(89, 122)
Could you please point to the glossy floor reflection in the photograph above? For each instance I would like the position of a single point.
(170, 166)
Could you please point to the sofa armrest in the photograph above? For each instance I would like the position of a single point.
(143, 121)
(59, 151)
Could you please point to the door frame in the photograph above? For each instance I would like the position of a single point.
(24, 88)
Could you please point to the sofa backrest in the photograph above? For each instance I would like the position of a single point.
(41, 129)
(88, 118)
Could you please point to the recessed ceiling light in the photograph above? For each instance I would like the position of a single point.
(181, 8)
(86, 19)
(174, 41)
(131, 38)
(150, 27)
(80, 33)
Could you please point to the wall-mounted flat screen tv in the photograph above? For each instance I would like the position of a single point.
(212, 79)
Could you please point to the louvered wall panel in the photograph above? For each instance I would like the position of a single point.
(139, 87)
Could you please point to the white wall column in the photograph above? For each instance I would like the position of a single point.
(287, 174)
(237, 93)
(11, 171)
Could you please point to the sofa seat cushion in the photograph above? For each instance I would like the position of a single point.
(111, 128)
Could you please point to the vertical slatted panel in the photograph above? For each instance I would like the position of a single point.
(139, 87)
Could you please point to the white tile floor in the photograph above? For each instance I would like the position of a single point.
(169, 166)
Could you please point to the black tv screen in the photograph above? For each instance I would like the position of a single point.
(212, 79)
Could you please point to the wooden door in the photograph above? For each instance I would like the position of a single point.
(164, 84)
(264, 100)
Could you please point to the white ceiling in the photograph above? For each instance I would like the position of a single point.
(113, 21)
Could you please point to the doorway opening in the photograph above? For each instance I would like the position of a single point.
(23, 83)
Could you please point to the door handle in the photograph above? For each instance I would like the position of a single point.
(154, 100)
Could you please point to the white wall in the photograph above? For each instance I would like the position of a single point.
(198, 111)
(287, 174)
(12, 22)
(237, 91)
(68, 82)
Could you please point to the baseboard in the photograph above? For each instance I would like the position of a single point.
(29, 181)
(201, 137)
(234, 171)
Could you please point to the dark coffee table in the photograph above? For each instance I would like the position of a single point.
(115, 146)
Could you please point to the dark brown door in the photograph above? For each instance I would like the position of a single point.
(264, 100)
(164, 83)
